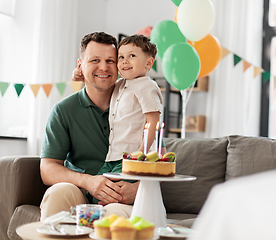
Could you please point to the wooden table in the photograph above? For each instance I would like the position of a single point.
(29, 232)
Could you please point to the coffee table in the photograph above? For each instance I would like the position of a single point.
(29, 232)
(148, 202)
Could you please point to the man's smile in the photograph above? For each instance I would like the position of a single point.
(102, 76)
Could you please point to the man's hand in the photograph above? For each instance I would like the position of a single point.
(128, 191)
(104, 190)
(77, 75)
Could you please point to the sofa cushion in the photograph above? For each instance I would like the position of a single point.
(22, 215)
(248, 155)
(202, 158)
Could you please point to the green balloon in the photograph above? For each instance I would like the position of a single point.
(177, 2)
(164, 34)
(181, 65)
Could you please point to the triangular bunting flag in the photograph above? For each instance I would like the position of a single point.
(177, 2)
(224, 52)
(154, 66)
(3, 87)
(266, 76)
(18, 88)
(257, 71)
(47, 88)
(35, 88)
(76, 86)
(237, 59)
(61, 87)
(246, 65)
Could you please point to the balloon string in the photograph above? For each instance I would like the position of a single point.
(184, 97)
(190, 92)
(185, 100)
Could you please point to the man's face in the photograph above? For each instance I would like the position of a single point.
(99, 66)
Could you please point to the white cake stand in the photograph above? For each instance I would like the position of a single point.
(148, 202)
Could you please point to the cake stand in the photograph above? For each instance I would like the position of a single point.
(148, 202)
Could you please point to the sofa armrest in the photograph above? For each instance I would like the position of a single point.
(20, 183)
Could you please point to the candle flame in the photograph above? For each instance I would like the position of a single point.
(157, 126)
(162, 125)
(147, 125)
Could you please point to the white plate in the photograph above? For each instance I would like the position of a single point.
(64, 230)
(164, 232)
(92, 235)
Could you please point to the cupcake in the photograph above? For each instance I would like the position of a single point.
(145, 229)
(102, 226)
(122, 229)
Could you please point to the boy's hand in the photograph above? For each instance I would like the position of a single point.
(77, 75)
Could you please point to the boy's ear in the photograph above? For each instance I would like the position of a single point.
(150, 63)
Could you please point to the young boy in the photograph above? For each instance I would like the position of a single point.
(136, 100)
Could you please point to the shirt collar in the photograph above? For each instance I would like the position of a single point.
(84, 99)
(86, 102)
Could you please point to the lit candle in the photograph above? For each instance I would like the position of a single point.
(146, 134)
(156, 137)
(160, 139)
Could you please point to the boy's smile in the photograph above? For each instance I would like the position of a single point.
(133, 62)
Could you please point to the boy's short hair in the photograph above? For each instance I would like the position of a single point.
(140, 41)
(99, 37)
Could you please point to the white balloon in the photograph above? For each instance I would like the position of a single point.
(195, 18)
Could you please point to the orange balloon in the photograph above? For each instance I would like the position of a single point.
(209, 52)
(175, 15)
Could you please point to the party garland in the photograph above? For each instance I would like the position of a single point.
(48, 87)
(76, 86)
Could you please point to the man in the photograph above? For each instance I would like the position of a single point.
(76, 137)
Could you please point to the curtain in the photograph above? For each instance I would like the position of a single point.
(234, 96)
(54, 58)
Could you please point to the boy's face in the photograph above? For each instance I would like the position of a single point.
(133, 62)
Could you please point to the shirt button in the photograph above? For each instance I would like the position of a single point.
(125, 87)
(113, 114)
(117, 100)
(111, 128)
(109, 144)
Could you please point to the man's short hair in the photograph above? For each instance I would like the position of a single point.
(99, 37)
(140, 41)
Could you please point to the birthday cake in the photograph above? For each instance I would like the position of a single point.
(151, 164)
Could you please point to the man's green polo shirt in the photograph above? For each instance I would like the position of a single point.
(77, 131)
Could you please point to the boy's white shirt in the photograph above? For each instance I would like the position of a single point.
(130, 100)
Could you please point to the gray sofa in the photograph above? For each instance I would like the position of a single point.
(211, 160)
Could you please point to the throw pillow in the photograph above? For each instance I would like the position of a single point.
(248, 155)
(202, 158)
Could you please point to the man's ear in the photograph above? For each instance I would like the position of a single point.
(149, 63)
